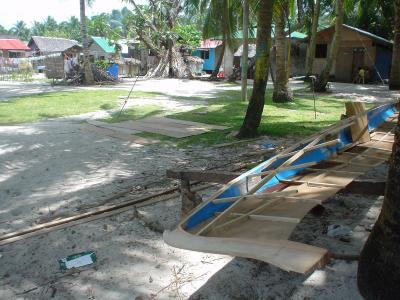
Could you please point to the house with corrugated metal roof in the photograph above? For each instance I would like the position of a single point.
(101, 48)
(13, 48)
(358, 49)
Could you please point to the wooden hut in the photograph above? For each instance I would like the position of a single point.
(358, 49)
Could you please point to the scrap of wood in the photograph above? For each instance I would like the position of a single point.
(359, 130)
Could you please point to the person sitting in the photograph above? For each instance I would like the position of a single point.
(361, 74)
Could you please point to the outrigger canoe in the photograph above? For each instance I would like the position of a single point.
(253, 215)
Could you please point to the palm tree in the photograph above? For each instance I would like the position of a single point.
(245, 55)
(21, 30)
(323, 78)
(86, 62)
(394, 82)
(282, 92)
(313, 35)
(220, 16)
(256, 105)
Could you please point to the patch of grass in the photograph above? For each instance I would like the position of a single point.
(135, 113)
(57, 104)
(226, 108)
(296, 118)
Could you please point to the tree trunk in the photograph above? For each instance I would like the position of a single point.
(282, 92)
(313, 39)
(379, 264)
(245, 54)
(394, 82)
(323, 78)
(214, 74)
(256, 105)
(86, 61)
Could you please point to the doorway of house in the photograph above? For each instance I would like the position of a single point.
(358, 61)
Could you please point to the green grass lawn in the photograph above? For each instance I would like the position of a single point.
(57, 104)
(296, 118)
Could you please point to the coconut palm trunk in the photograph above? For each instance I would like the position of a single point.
(379, 264)
(214, 74)
(245, 54)
(313, 39)
(323, 78)
(86, 62)
(282, 92)
(256, 105)
(394, 81)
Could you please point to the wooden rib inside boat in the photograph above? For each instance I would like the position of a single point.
(254, 214)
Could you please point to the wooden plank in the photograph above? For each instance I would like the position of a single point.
(333, 171)
(269, 218)
(311, 183)
(120, 135)
(287, 255)
(359, 131)
(246, 215)
(203, 176)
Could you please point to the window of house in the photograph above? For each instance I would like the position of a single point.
(321, 51)
(205, 54)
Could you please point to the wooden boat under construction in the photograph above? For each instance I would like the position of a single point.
(253, 215)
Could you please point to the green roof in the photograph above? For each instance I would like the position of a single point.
(104, 44)
(253, 34)
(297, 35)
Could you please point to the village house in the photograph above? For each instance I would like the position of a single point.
(43, 45)
(358, 49)
(101, 49)
(13, 48)
(49, 54)
(211, 49)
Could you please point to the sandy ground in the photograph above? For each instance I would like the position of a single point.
(58, 168)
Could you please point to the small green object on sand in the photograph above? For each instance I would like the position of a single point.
(77, 260)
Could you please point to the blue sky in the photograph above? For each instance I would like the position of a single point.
(61, 10)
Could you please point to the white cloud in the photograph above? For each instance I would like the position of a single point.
(61, 10)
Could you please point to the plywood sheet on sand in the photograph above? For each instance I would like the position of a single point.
(120, 135)
(170, 127)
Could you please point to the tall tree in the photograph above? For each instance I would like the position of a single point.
(323, 78)
(282, 92)
(221, 16)
(313, 37)
(379, 264)
(256, 105)
(245, 55)
(21, 30)
(394, 82)
(86, 62)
